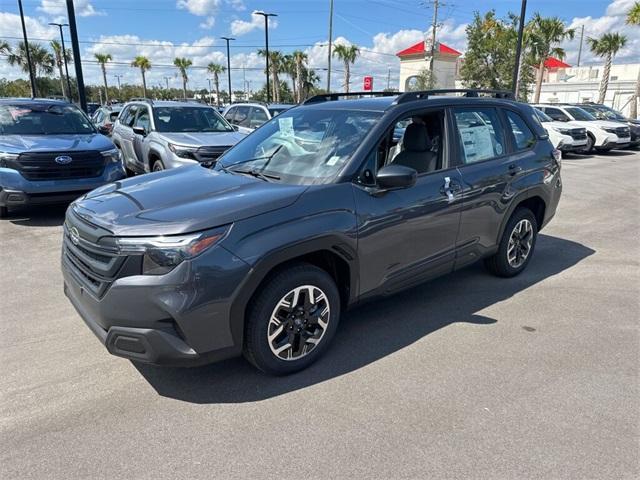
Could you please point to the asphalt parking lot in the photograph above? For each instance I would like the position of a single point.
(469, 376)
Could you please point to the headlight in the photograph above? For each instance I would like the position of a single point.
(563, 131)
(5, 157)
(610, 130)
(113, 155)
(162, 254)
(183, 152)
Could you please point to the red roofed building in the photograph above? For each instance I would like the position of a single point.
(415, 58)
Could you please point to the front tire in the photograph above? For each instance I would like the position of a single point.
(590, 143)
(157, 166)
(516, 245)
(292, 319)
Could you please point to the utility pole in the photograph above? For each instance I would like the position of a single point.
(118, 77)
(64, 56)
(32, 76)
(266, 42)
(516, 68)
(228, 39)
(434, 27)
(76, 54)
(580, 49)
(388, 78)
(330, 43)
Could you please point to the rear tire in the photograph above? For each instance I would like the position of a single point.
(516, 245)
(299, 307)
(4, 212)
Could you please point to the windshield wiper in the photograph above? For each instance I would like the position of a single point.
(265, 157)
(258, 174)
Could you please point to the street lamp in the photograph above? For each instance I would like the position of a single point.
(64, 55)
(266, 42)
(227, 39)
(75, 45)
(32, 76)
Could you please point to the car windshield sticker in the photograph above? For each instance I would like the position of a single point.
(285, 126)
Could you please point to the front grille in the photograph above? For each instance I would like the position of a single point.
(579, 134)
(208, 155)
(42, 165)
(623, 132)
(94, 265)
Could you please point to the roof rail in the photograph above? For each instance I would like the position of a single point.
(141, 99)
(468, 92)
(327, 97)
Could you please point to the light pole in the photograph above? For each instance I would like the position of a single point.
(118, 77)
(330, 41)
(64, 55)
(266, 43)
(32, 76)
(228, 39)
(71, 13)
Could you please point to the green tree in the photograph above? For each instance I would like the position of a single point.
(289, 68)
(276, 66)
(41, 60)
(347, 54)
(102, 59)
(5, 49)
(58, 55)
(546, 33)
(633, 18)
(144, 65)
(299, 60)
(182, 64)
(606, 46)
(424, 80)
(216, 69)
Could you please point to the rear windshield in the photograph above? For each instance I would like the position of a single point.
(43, 120)
(189, 119)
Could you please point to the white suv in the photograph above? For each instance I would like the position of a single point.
(565, 138)
(246, 117)
(601, 134)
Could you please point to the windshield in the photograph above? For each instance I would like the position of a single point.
(611, 114)
(543, 116)
(43, 119)
(580, 114)
(302, 146)
(189, 119)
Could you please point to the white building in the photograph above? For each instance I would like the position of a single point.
(414, 59)
(581, 84)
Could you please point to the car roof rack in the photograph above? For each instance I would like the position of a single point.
(468, 92)
(327, 97)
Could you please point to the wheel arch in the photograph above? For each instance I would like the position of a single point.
(535, 200)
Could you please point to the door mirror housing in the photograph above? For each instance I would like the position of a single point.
(393, 177)
(140, 131)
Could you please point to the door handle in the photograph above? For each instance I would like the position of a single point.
(514, 169)
(446, 189)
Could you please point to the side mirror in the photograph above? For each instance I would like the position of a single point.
(235, 127)
(140, 131)
(104, 130)
(394, 177)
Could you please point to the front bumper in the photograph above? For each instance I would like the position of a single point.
(178, 319)
(16, 190)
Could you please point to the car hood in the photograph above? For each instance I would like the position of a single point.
(593, 124)
(181, 200)
(562, 125)
(199, 139)
(54, 143)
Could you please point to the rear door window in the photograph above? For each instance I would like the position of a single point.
(230, 114)
(522, 134)
(480, 134)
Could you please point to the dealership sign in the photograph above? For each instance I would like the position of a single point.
(368, 84)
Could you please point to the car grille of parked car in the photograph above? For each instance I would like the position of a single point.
(94, 265)
(43, 165)
(579, 133)
(623, 132)
(208, 155)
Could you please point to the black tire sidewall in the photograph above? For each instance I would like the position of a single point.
(505, 269)
(156, 162)
(257, 349)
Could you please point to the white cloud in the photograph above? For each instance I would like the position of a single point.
(242, 27)
(237, 5)
(208, 23)
(83, 8)
(199, 7)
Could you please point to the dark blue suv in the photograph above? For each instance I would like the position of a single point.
(51, 152)
(325, 206)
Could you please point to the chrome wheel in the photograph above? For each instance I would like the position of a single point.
(298, 322)
(158, 167)
(520, 243)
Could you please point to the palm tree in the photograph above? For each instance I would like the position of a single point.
(606, 46)
(59, 61)
(545, 35)
(289, 67)
(5, 49)
(102, 59)
(143, 64)
(41, 59)
(216, 70)
(309, 80)
(182, 64)
(348, 54)
(633, 18)
(299, 59)
(276, 64)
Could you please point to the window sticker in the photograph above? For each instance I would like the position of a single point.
(285, 125)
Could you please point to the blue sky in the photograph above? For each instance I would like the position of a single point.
(163, 29)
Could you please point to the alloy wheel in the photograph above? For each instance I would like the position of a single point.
(520, 243)
(158, 167)
(298, 322)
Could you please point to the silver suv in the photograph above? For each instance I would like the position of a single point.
(246, 117)
(154, 136)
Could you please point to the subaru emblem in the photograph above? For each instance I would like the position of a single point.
(74, 235)
(63, 160)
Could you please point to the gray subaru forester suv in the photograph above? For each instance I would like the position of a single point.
(325, 206)
(156, 135)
